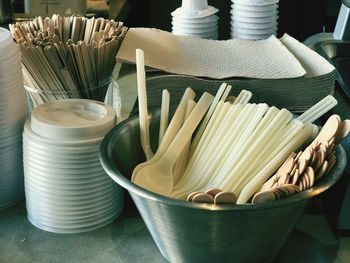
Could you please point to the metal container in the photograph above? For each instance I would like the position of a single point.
(193, 232)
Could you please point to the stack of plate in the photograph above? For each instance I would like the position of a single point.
(67, 190)
(254, 19)
(12, 117)
(195, 18)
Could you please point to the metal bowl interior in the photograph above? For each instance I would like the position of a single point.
(241, 233)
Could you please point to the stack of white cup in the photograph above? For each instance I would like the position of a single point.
(67, 190)
(12, 118)
(254, 19)
(195, 18)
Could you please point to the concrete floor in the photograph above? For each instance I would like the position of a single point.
(128, 240)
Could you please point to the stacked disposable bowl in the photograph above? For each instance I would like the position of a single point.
(195, 18)
(67, 190)
(254, 19)
(12, 118)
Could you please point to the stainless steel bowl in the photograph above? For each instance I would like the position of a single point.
(193, 232)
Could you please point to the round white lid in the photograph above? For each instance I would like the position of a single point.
(73, 119)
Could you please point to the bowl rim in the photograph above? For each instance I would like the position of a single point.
(118, 177)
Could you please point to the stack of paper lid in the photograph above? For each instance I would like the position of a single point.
(12, 118)
(254, 19)
(195, 18)
(67, 190)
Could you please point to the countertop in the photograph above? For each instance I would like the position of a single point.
(128, 240)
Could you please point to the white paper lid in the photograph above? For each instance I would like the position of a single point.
(73, 119)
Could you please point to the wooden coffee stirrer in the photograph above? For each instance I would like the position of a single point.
(213, 196)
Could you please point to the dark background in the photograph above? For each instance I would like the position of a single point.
(298, 18)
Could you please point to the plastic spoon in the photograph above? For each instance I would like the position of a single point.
(206, 118)
(267, 154)
(232, 169)
(227, 116)
(164, 115)
(142, 98)
(157, 177)
(226, 148)
(218, 116)
(226, 93)
(181, 162)
(173, 128)
(243, 97)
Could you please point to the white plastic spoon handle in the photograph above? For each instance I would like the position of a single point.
(226, 93)
(186, 131)
(142, 99)
(164, 115)
(318, 109)
(243, 97)
(207, 117)
(247, 96)
(173, 128)
(175, 123)
(181, 161)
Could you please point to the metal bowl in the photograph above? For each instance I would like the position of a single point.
(193, 232)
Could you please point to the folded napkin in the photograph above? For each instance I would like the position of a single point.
(314, 64)
(281, 72)
(263, 59)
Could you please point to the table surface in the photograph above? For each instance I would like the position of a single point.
(128, 240)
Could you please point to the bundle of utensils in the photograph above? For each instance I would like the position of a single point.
(67, 56)
(195, 18)
(236, 148)
(301, 171)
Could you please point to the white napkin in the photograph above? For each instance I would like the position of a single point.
(312, 62)
(264, 59)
